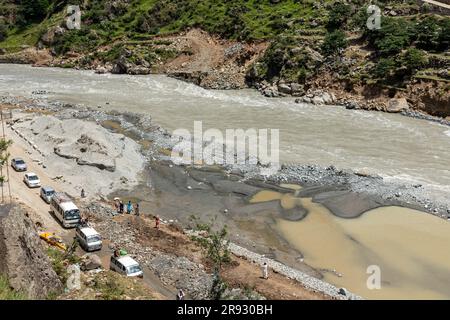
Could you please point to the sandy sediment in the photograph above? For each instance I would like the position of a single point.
(82, 153)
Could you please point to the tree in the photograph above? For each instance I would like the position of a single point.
(384, 69)
(4, 155)
(3, 31)
(427, 33)
(334, 42)
(444, 34)
(393, 37)
(34, 10)
(338, 15)
(215, 244)
(413, 59)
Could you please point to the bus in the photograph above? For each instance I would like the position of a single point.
(65, 210)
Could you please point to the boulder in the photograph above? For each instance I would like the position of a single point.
(397, 105)
(317, 100)
(138, 70)
(297, 89)
(121, 66)
(284, 88)
(48, 38)
(101, 70)
(91, 262)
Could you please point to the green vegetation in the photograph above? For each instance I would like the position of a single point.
(4, 155)
(215, 244)
(297, 29)
(7, 293)
(334, 43)
(109, 287)
(61, 261)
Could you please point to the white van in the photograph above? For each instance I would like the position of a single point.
(65, 210)
(88, 238)
(127, 266)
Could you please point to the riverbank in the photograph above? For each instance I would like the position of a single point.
(177, 192)
(184, 269)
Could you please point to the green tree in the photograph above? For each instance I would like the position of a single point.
(3, 31)
(4, 155)
(444, 34)
(393, 37)
(215, 244)
(338, 15)
(427, 33)
(334, 42)
(34, 10)
(413, 59)
(384, 69)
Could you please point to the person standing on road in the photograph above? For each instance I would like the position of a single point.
(136, 209)
(129, 207)
(265, 271)
(157, 220)
(121, 206)
(83, 194)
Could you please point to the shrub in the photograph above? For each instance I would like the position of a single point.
(3, 31)
(384, 69)
(394, 36)
(334, 42)
(338, 15)
(413, 59)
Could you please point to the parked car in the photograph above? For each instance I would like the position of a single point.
(47, 194)
(88, 238)
(32, 180)
(126, 265)
(18, 164)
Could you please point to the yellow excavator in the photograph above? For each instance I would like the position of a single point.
(53, 240)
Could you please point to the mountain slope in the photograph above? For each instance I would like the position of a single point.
(278, 46)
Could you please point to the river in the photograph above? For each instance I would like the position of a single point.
(396, 147)
(391, 145)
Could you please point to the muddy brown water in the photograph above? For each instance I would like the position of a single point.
(411, 249)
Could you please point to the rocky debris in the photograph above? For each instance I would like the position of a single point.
(22, 256)
(48, 38)
(310, 282)
(182, 273)
(397, 105)
(317, 97)
(90, 262)
(294, 89)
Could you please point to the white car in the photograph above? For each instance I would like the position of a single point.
(32, 180)
(126, 266)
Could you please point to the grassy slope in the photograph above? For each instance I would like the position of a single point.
(289, 23)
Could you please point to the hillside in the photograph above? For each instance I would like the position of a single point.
(278, 46)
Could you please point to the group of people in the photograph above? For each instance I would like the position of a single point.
(129, 208)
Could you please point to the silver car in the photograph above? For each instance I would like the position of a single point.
(18, 164)
(47, 194)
